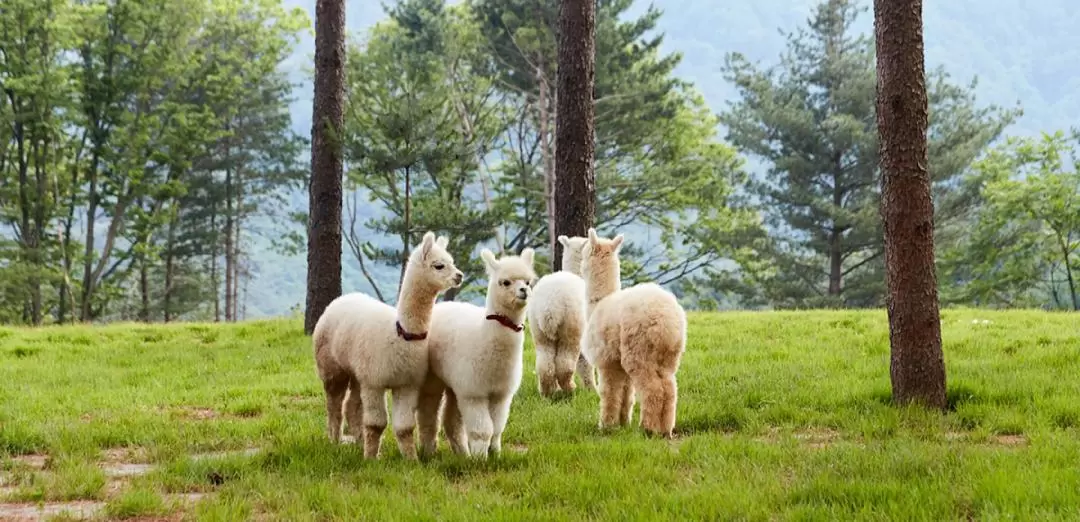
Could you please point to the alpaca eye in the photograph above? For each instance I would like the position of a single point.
(505, 282)
(439, 266)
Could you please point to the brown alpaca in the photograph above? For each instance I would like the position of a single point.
(635, 338)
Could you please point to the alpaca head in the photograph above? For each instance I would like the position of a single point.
(431, 266)
(510, 279)
(571, 254)
(600, 263)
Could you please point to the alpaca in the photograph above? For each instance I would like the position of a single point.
(366, 347)
(635, 338)
(476, 361)
(556, 314)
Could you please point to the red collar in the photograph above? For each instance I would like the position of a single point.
(505, 321)
(409, 336)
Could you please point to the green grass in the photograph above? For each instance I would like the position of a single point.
(782, 416)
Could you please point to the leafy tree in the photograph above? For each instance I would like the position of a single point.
(1021, 247)
(657, 164)
(811, 118)
(418, 120)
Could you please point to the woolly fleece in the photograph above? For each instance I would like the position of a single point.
(635, 338)
(360, 350)
(476, 361)
(557, 319)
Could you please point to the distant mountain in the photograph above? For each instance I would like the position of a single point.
(1021, 52)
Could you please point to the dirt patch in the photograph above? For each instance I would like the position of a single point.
(518, 448)
(1009, 440)
(815, 438)
(26, 512)
(246, 452)
(1013, 440)
(34, 461)
(194, 413)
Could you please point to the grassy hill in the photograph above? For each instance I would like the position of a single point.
(781, 416)
(1020, 51)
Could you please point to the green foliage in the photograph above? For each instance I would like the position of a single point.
(418, 124)
(1021, 245)
(812, 120)
(113, 118)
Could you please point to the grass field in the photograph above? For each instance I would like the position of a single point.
(781, 416)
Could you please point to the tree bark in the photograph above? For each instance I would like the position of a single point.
(324, 189)
(917, 365)
(575, 191)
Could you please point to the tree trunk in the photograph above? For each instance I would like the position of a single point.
(542, 105)
(214, 255)
(228, 238)
(170, 256)
(917, 365)
(575, 192)
(836, 263)
(144, 291)
(324, 189)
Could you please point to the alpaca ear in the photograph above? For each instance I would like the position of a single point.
(428, 241)
(592, 236)
(442, 241)
(527, 255)
(564, 240)
(489, 260)
(617, 242)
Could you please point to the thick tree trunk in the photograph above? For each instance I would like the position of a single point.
(170, 256)
(324, 200)
(917, 365)
(575, 191)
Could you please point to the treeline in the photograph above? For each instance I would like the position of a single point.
(138, 140)
(450, 125)
(136, 137)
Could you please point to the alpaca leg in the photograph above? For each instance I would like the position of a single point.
(613, 383)
(405, 400)
(658, 400)
(335, 388)
(564, 366)
(545, 369)
(427, 415)
(374, 407)
(627, 410)
(354, 412)
(453, 426)
(585, 370)
(477, 417)
(499, 409)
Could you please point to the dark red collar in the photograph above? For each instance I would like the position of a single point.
(409, 336)
(505, 321)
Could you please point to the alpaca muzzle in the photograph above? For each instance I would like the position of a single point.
(458, 278)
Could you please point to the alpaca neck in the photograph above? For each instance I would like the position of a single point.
(597, 288)
(415, 303)
(515, 314)
(571, 263)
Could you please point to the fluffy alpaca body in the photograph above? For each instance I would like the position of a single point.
(476, 361)
(635, 338)
(556, 314)
(366, 347)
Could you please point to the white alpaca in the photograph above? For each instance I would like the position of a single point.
(476, 361)
(635, 338)
(367, 347)
(557, 319)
